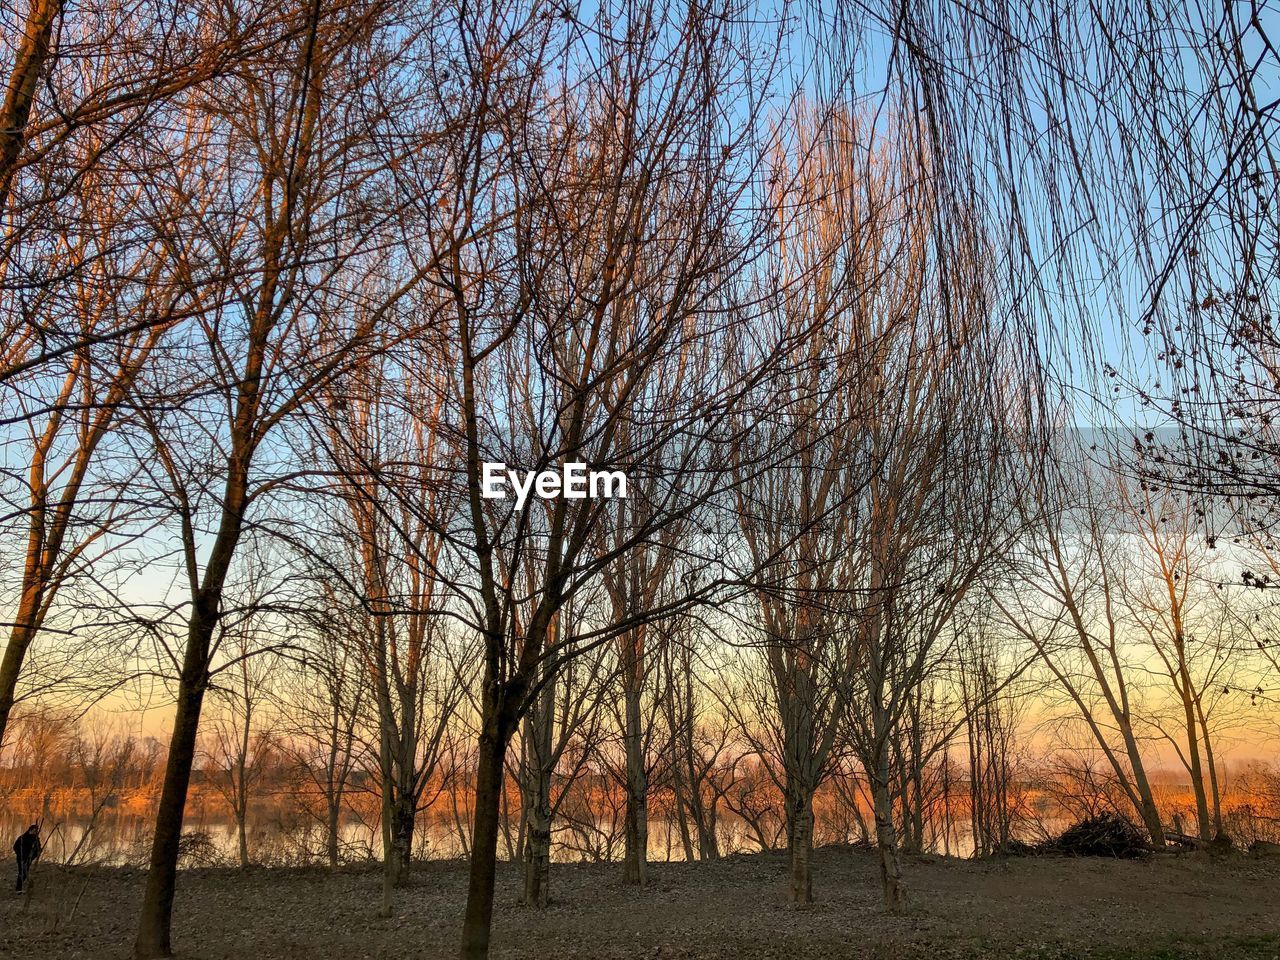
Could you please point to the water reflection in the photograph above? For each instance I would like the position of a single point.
(121, 838)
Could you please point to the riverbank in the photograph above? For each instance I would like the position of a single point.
(1043, 908)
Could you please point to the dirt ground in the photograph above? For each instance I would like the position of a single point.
(1030, 909)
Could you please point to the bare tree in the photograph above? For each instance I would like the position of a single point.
(320, 706)
(559, 734)
(240, 745)
(833, 530)
(90, 89)
(699, 767)
(991, 713)
(932, 518)
(385, 437)
(105, 760)
(641, 579)
(1069, 610)
(562, 306)
(1167, 588)
(122, 294)
(292, 221)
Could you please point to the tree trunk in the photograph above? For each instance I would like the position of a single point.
(635, 864)
(1147, 808)
(242, 836)
(635, 860)
(895, 891)
(682, 824)
(536, 775)
(28, 65)
(157, 900)
(799, 811)
(388, 851)
(478, 918)
(399, 811)
(704, 820)
(331, 832)
(1211, 763)
(685, 784)
(909, 841)
(11, 668)
(403, 814)
(682, 794)
(917, 788)
(1193, 752)
(42, 543)
(537, 873)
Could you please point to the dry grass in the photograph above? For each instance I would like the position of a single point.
(1159, 908)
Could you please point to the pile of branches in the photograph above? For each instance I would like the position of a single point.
(197, 848)
(1106, 835)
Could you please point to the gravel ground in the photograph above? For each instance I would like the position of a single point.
(1164, 907)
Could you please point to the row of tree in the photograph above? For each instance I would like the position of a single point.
(269, 799)
(279, 279)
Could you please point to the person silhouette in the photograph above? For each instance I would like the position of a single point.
(27, 847)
